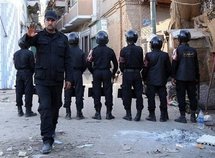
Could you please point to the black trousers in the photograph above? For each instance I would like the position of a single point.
(79, 91)
(162, 93)
(102, 78)
(50, 101)
(181, 88)
(132, 79)
(24, 85)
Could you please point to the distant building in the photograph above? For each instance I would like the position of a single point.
(114, 16)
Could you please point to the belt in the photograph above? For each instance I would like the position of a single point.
(131, 70)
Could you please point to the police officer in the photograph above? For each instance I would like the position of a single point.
(185, 69)
(24, 64)
(131, 63)
(157, 69)
(99, 63)
(53, 62)
(79, 66)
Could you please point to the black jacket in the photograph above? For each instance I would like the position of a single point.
(185, 67)
(78, 58)
(157, 68)
(24, 60)
(102, 56)
(53, 60)
(131, 57)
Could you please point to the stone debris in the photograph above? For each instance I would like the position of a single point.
(206, 139)
(22, 154)
(30, 148)
(85, 145)
(41, 156)
(172, 150)
(100, 153)
(1, 153)
(10, 148)
(208, 118)
(126, 147)
(156, 151)
(58, 142)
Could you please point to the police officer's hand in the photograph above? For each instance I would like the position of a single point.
(32, 30)
(173, 81)
(67, 85)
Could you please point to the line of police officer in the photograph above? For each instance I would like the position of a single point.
(154, 70)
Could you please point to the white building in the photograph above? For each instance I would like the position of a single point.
(13, 24)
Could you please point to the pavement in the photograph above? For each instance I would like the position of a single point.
(89, 138)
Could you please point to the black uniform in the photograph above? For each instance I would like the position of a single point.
(186, 73)
(79, 66)
(131, 63)
(24, 64)
(52, 63)
(157, 69)
(100, 65)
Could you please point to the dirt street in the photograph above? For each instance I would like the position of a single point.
(90, 138)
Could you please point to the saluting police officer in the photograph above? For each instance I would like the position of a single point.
(185, 69)
(79, 66)
(157, 69)
(24, 64)
(131, 63)
(99, 63)
(52, 68)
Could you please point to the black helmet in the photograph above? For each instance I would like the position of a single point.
(102, 38)
(73, 38)
(184, 36)
(156, 43)
(131, 36)
(51, 14)
(22, 44)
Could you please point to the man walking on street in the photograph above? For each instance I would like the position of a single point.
(185, 72)
(157, 69)
(24, 64)
(99, 64)
(53, 62)
(131, 63)
(79, 66)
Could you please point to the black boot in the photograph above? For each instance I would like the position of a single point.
(97, 115)
(193, 117)
(151, 116)
(109, 115)
(30, 113)
(138, 115)
(20, 111)
(68, 114)
(164, 116)
(182, 118)
(128, 115)
(80, 115)
(46, 149)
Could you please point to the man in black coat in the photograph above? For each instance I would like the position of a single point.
(185, 72)
(78, 66)
(99, 63)
(52, 67)
(157, 69)
(24, 64)
(131, 63)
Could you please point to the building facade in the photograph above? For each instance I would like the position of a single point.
(116, 17)
(13, 23)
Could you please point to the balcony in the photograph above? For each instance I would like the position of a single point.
(78, 14)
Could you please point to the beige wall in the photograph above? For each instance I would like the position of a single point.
(123, 15)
